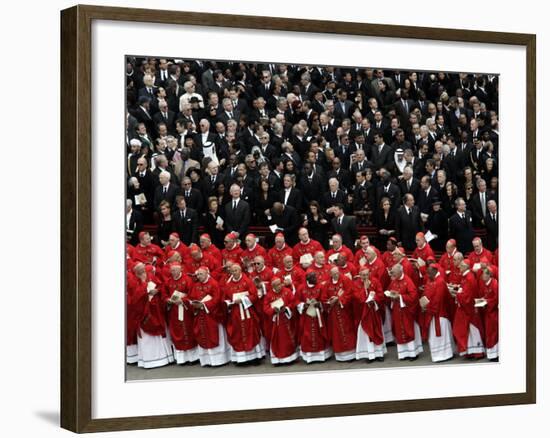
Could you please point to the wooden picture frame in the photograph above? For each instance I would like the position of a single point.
(76, 223)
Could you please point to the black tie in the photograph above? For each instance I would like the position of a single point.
(234, 205)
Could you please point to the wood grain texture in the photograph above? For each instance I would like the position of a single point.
(76, 226)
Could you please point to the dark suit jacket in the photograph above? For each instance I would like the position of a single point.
(239, 219)
(462, 231)
(394, 194)
(170, 121)
(295, 198)
(289, 222)
(187, 226)
(347, 230)
(491, 242)
(407, 225)
(170, 195)
(477, 211)
(195, 199)
(384, 158)
(135, 226)
(313, 190)
(328, 201)
(414, 190)
(424, 201)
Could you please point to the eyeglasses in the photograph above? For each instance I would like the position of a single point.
(257, 263)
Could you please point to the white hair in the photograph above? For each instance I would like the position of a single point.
(165, 174)
(135, 142)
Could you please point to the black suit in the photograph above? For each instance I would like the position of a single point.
(343, 176)
(393, 193)
(425, 201)
(382, 158)
(134, 227)
(407, 225)
(413, 190)
(237, 219)
(492, 232)
(294, 198)
(193, 198)
(477, 209)
(328, 200)
(187, 225)
(462, 231)
(289, 222)
(312, 190)
(169, 196)
(169, 120)
(347, 230)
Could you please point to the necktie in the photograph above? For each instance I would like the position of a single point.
(234, 205)
(333, 195)
(187, 194)
(340, 220)
(483, 206)
(408, 184)
(231, 114)
(165, 115)
(213, 179)
(165, 190)
(182, 214)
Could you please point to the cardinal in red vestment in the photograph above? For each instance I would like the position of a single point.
(305, 247)
(312, 328)
(434, 316)
(369, 296)
(205, 243)
(404, 311)
(243, 325)
(208, 329)
(337, 294)
(147, 252)
(232, 251)
(467, 323)
(280, 322)
(489, 293)
(279, 251)
(148, 308)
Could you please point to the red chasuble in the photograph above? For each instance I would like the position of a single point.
(243, 325)
(361, 256)
(276, 256)
(344, 250)
(181, 331)
(321, 271)
(205, 323)
(378, 270)
(341, 329)
(312, 330)
(148, 254)
(466, 313)
(301, 249)
(214, 253)
(474, 257)
(258, 250)
(423, 253)
(436, 291)
(489, 291)
(280, 329)
(232, 255)
(403, 318)
(370, 316)
(149, 314)
(265, 277)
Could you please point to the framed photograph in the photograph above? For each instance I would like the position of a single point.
(270, 219)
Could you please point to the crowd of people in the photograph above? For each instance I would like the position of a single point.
(309, 154)
(197, 303)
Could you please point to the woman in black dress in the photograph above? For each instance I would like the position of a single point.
(165, 224)
(263, 200)
(385, 221)
(211, 222)
(317, 224)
